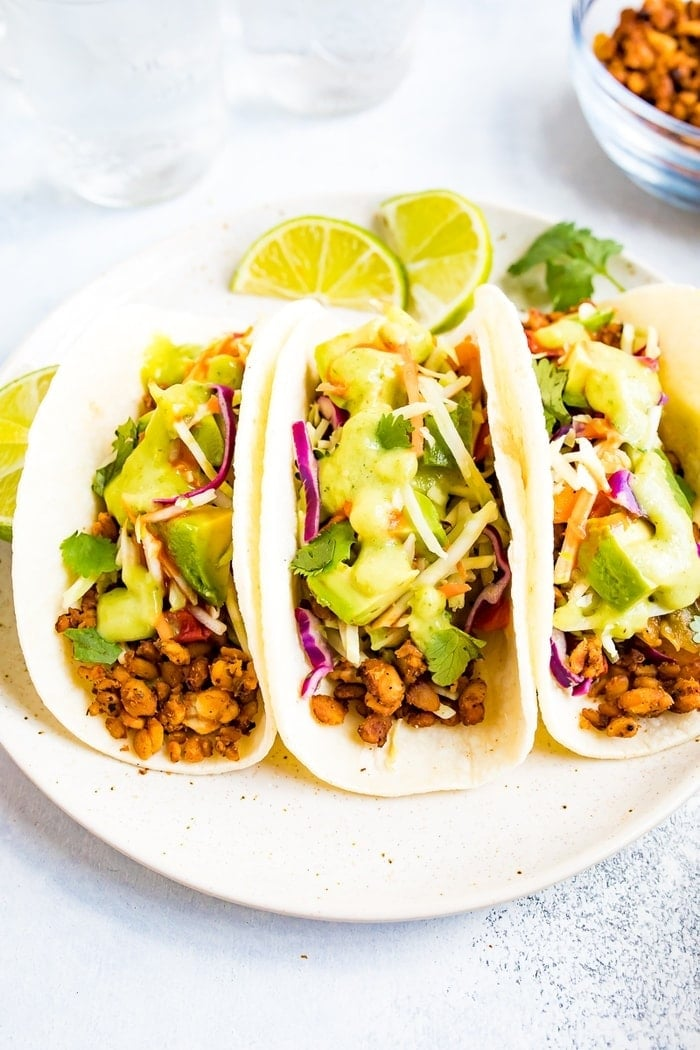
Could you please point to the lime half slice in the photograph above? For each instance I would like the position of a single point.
(332, 260)
(19, 401)
(444, 243)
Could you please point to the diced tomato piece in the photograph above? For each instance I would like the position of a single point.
(187, 627)
(603, 506)
(482, 445)
(493, 617)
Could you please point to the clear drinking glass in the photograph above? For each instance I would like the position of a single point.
(129, 93)
(328, 56)
(8, 61)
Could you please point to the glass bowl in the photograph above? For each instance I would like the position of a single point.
(658, 152)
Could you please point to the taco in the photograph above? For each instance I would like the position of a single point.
(613, 434)
(135, 609)
(391, 578)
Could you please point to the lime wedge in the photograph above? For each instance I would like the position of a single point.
(330, 259)
(444, 243)
(19, 401)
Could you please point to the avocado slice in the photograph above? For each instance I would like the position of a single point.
(616, 384)
(607, 557)
(226, 370)
(199, 542)
(128, 614)
(397, 327)
(566, 332)
(578, 367)
(671, 558)
(210, 439)
(166, 363)
(358, 593)
(625, 390)
(367, 377)
(147, 473)
(626, 561)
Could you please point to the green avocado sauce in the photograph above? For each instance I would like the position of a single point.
(198, 541)
(636, 566)
(364, 479)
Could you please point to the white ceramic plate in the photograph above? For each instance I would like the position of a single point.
(272, 837)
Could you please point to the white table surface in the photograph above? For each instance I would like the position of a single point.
(97, 951)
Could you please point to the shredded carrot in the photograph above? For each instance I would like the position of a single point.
(198, 368)
(396, 521)
(575, 533)
(410, 375)
(564, 501)
(228, 346)
(469, 359)
(595, 428)
(579, 514)
(213, 405)
(451, 590)
(342, 515)
(335, 390)
(163, 628)
(184, 462)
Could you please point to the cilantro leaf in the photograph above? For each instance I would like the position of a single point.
(123, 445)
(89, 647)
(89, 556)
(438, 454)
(325, 551)
(572, 258)
(448, 651)
(552, 243)
(394, 432)
(551, 381)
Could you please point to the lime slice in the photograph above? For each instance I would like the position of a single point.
(19, 401)
(444, 243)
(329, 259)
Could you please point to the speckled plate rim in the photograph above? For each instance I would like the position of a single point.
(272, 837)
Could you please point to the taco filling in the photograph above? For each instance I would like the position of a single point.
(401, 565)
(152, 615)
(626, 622)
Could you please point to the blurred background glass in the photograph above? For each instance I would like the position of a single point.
(8, 58)
(327, 56)
(128, 93)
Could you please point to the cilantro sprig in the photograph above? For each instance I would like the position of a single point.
(573, 257)
(437, 453)
(448, 652)
(123, 445)
(89, 647)
(332, 546)
(393, 432)
(89, 556)
(551, 381)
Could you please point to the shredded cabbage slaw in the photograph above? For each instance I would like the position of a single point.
(468, 564)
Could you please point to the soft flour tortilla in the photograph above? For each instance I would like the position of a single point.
(95, 390)
(674, 311)
(412, 760)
